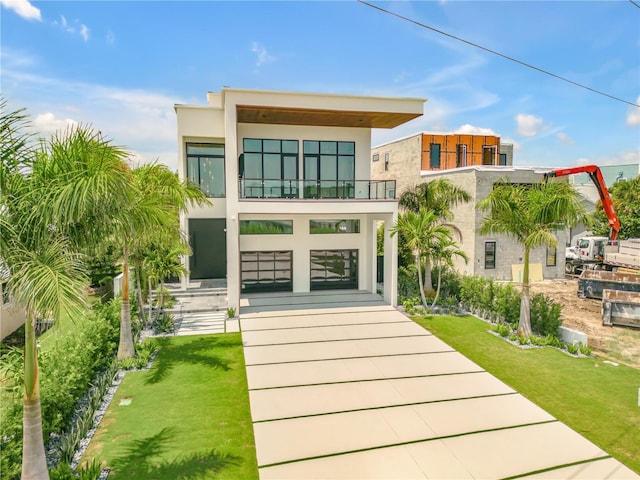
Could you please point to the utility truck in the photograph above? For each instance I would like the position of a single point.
(600, 253)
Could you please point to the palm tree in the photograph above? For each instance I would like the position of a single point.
(437, 196)
(45, 275)
(531, 214)
(442, 255)
(422, 234)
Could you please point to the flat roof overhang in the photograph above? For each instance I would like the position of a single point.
(321, 117)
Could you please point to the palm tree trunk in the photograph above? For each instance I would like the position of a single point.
(139, 289)
(524, 325)
(435, 299)
(420, 283)
(428, 283)
(126, 348)
(34, 460)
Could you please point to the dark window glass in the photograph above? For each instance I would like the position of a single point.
(503, 159)
(334, 269)
(269, 168)
(205, 167)
(461, 155)
(434, 155)
(551, 257)
(376, 157)
(487, 155)
(489, 255)
(329, 169)
(266, 271)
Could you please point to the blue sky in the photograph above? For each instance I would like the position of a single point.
(121, 66)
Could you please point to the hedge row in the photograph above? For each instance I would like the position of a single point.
(66, 371)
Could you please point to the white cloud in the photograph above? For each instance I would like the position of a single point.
(84, 32)
(564, 138)
(468, 129)
(633, 118)
(619, 158)
(23, 8)
(528, 125)
(262, 55)
(47, 123)
(516, 145)
(77, 27)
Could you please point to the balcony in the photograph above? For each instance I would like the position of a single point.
(264, 188)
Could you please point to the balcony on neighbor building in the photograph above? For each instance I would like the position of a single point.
(305, 189)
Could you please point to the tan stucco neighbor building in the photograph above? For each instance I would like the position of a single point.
(294, 206)
(494, 256)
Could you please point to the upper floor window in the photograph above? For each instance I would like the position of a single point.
(376, 157)
(503, 159)
(386, 162)
(269, 168)
(329, 169)
(461, 155)
(334, 226)
(551, 256)
(205, 167)
(488, 155)
(434, 155)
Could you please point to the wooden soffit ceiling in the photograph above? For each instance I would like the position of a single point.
(321, 118)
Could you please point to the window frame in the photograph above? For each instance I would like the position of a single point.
(344, 187)
(554, 256)
(490, 265)
(435, 149)
(199, 157)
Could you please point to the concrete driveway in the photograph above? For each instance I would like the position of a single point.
(365, 393)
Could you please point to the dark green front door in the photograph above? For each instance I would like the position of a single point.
(208, 240)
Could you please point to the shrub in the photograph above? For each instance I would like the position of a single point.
(231, 312)
(164, 323)
(573, 348)
(66, 371)
(585, 349)
(545, 315)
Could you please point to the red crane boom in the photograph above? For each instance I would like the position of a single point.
(596, 177)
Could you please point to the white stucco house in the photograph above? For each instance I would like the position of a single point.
(293, 204)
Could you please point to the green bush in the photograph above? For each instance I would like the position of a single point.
(507, 304)
(545, 315)
(573, 348)
(66, 371)
(164, 323)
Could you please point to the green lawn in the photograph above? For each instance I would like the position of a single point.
(596, 399)
(188, 415)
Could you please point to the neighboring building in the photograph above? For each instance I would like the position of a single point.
(11, 316)
(494, 256)
(294, 207)
(403, 160)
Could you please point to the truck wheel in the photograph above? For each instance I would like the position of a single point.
(568, 268)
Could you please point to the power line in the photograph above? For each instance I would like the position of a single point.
(546, 72)
(635, 3)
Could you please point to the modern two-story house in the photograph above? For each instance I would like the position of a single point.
(293, 204)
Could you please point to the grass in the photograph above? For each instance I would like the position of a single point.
(596, 399)
(188, 416)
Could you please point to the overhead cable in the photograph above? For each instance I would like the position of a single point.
(546, 72)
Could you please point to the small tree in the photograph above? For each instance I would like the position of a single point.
(531, 214)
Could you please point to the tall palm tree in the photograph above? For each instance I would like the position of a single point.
(45, 275)
(422, 233)
(531, 214)
(437, 196)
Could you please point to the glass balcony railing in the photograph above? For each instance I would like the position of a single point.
(265, 188)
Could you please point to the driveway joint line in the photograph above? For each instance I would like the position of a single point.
(557, 467)
(383, 407)
(348, 358)
(336, 340)
(303, 327)
(366, 380)
(410, 442)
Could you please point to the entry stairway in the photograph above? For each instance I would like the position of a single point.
(201, 308)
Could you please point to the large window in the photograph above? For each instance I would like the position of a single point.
(269, 168)
(551, 256)
(334, 226)
(329, 169)
(434, 155)
(489, 255)
(205, 167)
(334, 269)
